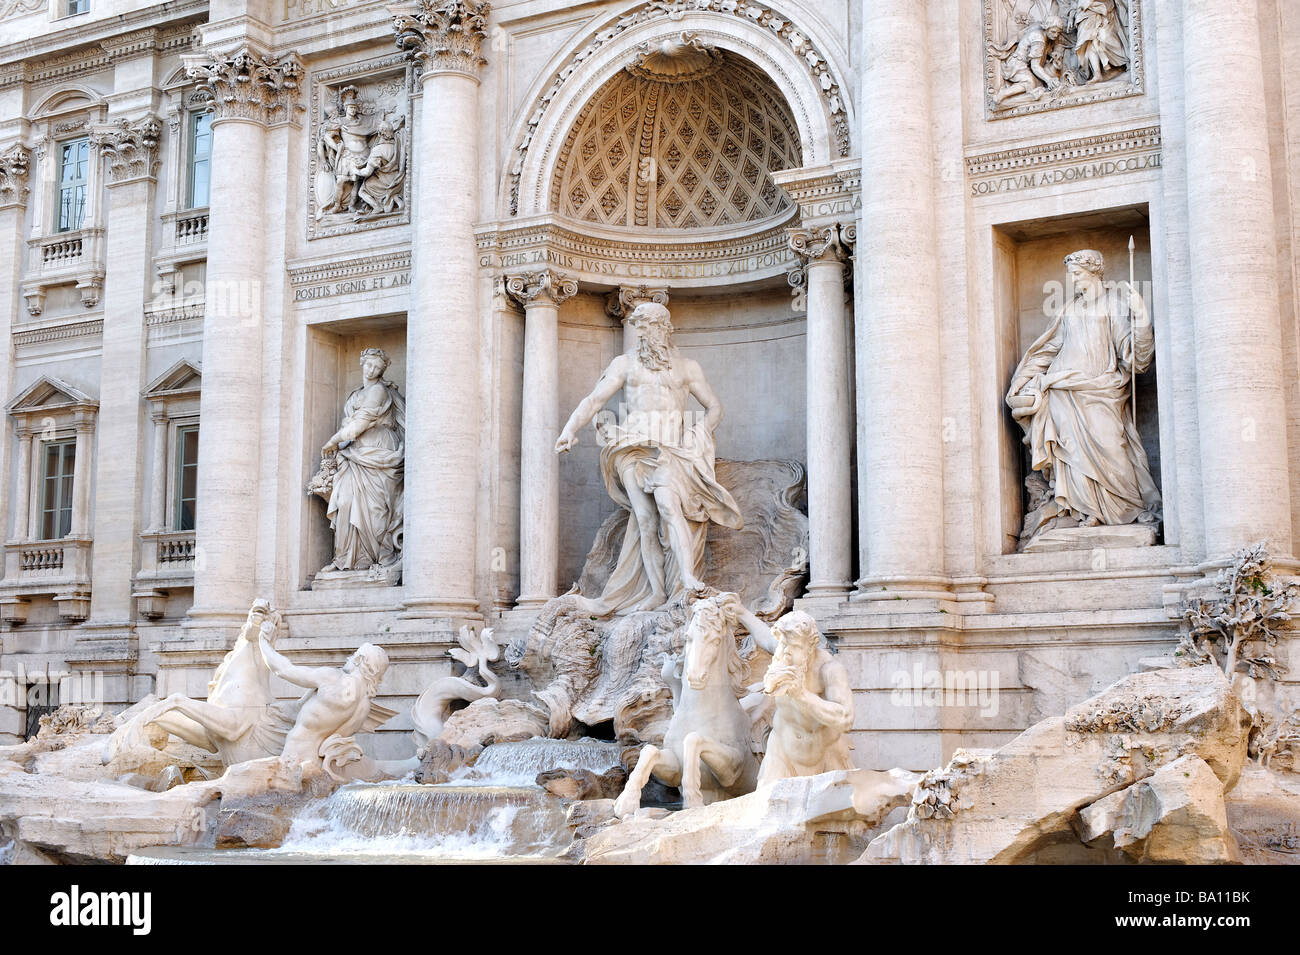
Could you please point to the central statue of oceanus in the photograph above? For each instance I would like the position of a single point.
(658, 465)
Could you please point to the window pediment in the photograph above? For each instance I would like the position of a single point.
(49, 394)
(182, 379)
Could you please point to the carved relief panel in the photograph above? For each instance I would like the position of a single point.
(1046, 54)
(360, 163)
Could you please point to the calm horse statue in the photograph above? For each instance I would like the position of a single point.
(708, 742)
(240, 719)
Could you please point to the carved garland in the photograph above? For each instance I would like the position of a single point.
(249, 85)
(675, 10)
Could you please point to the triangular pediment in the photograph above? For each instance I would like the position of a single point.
(183, 378)
(48, 393)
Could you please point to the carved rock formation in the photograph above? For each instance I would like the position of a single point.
(1022, 803)
(807, 819)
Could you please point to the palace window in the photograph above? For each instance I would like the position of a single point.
(73, 7)
(200, 159)
(74, 165)
(187, 476)
(58, 460)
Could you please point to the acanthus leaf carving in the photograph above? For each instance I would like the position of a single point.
(443, 35)
(131, 147)
(247, 84)
(15, 164)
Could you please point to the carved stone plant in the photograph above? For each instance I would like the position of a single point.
(1238, 629)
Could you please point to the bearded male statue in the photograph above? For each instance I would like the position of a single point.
(810, 696)
(658, 463)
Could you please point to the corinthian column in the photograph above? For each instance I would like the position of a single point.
(251, 91)
(15, 167)
(541, 294)
(1234, 291)
(442, 332)
(129, 148)
(900, 451)
(830, 506)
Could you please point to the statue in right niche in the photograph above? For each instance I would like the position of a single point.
(1072, 395)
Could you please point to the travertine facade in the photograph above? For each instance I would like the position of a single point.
(856, 211)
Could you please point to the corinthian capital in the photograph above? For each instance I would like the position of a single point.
(15, 162)
(545, 286)
(820, 243)
(442, 35)
(131, 147)
(248, 84)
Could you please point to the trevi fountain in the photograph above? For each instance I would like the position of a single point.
(649, 432)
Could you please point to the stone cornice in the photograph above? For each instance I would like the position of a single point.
(127, 45)
(248, 84)
(1088, 157)
(44, 59)
(443, 35)
(131, 148)
(627, 260)
(340, 269)
(55, 333)
(542, 287)
(831, 191)
(15, 164)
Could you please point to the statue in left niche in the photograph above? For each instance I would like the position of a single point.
(362, 168)
(361, 480)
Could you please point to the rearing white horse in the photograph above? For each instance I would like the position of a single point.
(708, 742)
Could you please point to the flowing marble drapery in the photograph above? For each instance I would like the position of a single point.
(365, 505)
(1079, 425)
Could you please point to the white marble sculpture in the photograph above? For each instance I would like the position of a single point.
(658, 463)
(362, 169)
(433, 706)
(812, 701)
(339, 703)
(708, 744)
(239, 720)
(1057, 52)
(1071, 394)
(1099, 43)
(1027, 64)
(361, 478)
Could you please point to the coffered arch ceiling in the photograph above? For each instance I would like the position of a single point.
(686, 137)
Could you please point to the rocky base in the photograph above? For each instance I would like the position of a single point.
(814, 819)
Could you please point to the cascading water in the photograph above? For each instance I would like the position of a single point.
(493, 811)
(518, 763)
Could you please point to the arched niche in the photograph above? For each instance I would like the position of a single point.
(792, 56)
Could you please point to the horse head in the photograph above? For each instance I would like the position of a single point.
(710, 645)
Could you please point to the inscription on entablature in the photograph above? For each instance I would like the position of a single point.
(638, 270)
(352, 286)
(1055, 164)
